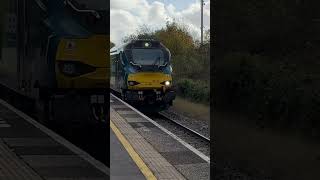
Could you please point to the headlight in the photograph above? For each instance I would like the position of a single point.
(133, 83)
(166, 83)
(68, 69)
(74, 68)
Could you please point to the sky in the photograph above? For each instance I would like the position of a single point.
(126, 16)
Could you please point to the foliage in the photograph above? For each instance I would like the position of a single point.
(176, 38)
(266, 61)
(279, 93)
(111, 44)
(144, 32)
(198, 91)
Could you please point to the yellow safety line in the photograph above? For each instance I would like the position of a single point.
(134, 155)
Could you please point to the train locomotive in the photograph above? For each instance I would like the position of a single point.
(54, 52)
(141, 73)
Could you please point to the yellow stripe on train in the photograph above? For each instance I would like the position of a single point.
(148, 80)
(92, 51)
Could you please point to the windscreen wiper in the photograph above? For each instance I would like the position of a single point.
(95, 13)
(135, 64)
(41, 5)
(163, 65)
(158, 60)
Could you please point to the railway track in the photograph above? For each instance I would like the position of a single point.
(185, 127)
(188, 135)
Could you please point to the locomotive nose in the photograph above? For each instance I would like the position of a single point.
(149, 80)
(83, 63)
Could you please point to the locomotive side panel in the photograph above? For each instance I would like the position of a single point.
(9, 44)
(23, 47)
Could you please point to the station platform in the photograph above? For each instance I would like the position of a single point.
(30, 151)
(141, 149)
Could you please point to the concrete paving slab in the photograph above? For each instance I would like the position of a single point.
(135, 119)
(182, 157)
(126, 112)
(55, 161)
(122, 166)
(27, 142)
(38, 150)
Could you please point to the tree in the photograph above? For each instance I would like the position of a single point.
(176, 38)
(143, 32)
(207, 36)
(257, 26)
(111, 44)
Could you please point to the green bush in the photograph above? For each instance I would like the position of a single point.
(198, 91)
(272, 89)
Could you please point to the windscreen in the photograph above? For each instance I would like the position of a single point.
(148, 56)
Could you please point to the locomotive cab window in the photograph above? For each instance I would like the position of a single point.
(148, 56)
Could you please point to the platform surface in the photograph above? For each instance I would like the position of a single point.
(30, 151)
(122, 165)
(165, 157)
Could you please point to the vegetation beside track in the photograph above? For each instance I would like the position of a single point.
(267, 62)
(197, 111)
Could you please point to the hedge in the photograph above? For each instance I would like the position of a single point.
(195, 90)
(276, 91)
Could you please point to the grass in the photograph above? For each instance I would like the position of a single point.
(191, 109)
